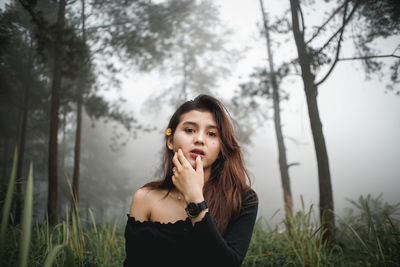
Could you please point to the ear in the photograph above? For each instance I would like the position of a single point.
(170, 143)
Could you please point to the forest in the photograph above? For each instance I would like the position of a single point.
(313, 87)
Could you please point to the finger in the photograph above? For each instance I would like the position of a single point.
(199, 164)
(176, 162)
(182, 159)
(173, 179)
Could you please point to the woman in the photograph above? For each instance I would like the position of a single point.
(202, 212)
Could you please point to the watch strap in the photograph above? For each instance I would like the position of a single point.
(194, 209)
(202, 205)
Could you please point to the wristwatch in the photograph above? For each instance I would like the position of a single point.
(193, 209)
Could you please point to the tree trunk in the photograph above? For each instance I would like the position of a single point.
(283, 166)
(55, 103)
(22, 136)
(326, 208)
(78, 134)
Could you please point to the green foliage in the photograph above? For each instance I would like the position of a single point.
(369, 238)
(26, 221)
(26, 226)
(7, 203)
(65, 244)
(301, 245)
(373, 230)
(24, 87)
(138, 30)
(69, 244)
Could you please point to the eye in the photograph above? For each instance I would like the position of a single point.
(213, 134)
(189, 130)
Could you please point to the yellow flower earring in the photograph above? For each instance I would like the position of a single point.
(168, 132)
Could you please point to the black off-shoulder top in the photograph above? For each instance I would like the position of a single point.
(182, 244)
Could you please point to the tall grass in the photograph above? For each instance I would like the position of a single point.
(372, 231)
(302, 245)
(65, 244)
(7, 203)
(26, 222)
(370, 238)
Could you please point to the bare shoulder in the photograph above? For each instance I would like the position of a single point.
(142, 202)
(141, 194)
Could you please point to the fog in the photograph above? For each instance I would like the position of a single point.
(360, 123)
(361, 127)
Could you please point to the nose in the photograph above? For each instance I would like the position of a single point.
(199, 138)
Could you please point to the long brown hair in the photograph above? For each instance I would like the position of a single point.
(227, 183)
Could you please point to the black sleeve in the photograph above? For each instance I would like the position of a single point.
(230, 249)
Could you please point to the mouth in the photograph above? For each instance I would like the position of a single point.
(196, 152)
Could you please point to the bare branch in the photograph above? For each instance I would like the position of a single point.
(340, 29)
(368, 57)
(71, 2)
(293, 164)
(320, 28)
(338, 45)
(106, 26)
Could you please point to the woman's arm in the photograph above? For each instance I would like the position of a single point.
(229, 249)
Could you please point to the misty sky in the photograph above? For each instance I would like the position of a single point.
(361, 125)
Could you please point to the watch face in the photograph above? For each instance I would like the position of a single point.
(193, 209)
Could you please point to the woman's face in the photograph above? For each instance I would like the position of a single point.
(197, 134)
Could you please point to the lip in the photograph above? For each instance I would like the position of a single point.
(196, 152)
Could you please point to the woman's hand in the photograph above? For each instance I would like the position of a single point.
(187, 180)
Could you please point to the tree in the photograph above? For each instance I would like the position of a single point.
(106, 180)
(77, 149)
(144, 46)
(120, 42)
(374, 21)
(58, 36)
(283, 164)
(311, 61)
(265, 85)
(22, 90)
(54, 119)
(199, 56)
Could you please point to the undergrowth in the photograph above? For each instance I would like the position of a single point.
(366, 236)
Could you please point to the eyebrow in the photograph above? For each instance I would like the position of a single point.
(196, 124)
